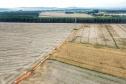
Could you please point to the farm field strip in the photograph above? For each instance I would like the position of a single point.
(54, 72)
(116, 37)
(100, 36)
(54, 14)
(85, 35)
(24, 44)
(122, 27)
(108, 38)
(93, 34)
(119, 31)
(102, 59)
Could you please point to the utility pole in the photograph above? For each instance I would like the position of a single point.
(75, 21)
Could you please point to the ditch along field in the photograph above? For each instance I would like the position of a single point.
(23, 45)
(111, 35)
(57, 14)
(54, 72)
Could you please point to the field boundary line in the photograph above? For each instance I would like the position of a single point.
(42, 61)
(112, 37)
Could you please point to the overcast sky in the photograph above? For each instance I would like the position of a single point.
(62, 3)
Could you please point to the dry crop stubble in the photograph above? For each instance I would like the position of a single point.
(102, 59)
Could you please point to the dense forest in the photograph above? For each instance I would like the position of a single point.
(32, 17)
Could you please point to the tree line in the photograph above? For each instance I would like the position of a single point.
(32, 17)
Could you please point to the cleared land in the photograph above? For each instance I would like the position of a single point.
(102, 59)
(56, 14)
(22, 45)
(54, 72)
(111, 35)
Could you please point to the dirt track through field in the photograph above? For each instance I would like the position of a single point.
(23, 45)
(54, 72)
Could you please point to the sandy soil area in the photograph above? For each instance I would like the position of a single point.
(22, 45)
(56, 14)
(102, 59)
(54, 72)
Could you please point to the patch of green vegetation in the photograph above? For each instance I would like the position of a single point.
(86, 26)
(75, 29)
(97, 46)
(74, 39)
(26, 79)
(84, 43)
(33, 73)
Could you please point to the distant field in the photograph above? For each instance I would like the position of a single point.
(54, 72)
(115, 13)
(102, 59)
(56, 14)
(111, 35)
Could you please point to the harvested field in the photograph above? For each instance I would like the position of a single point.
(56, 14)
(102, 59)
(54, 72)
(23, 45)
(111, 35)
(124, 25)
(121, 14)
